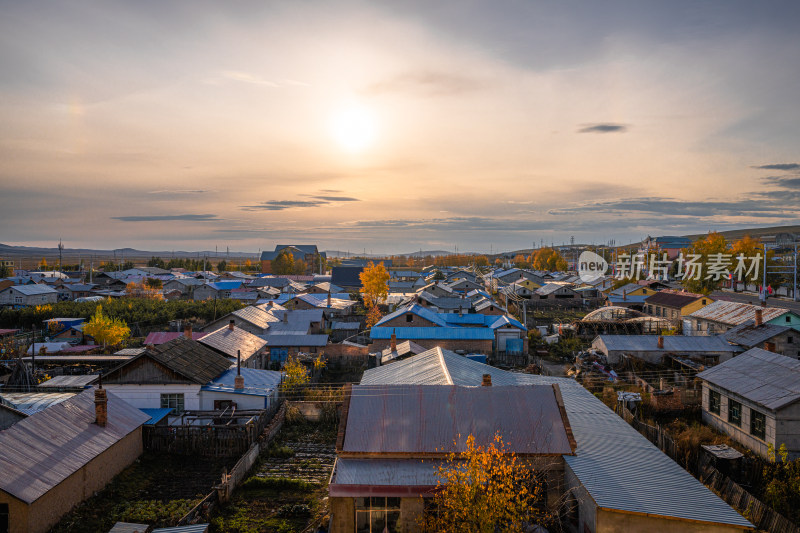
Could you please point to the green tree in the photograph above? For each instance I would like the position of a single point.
(106, 330)
(222, 266)
(156, 262)
(486, 489)
(5, 271)
(299, 268)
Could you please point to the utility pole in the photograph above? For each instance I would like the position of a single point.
(763, 294)
(794, 287)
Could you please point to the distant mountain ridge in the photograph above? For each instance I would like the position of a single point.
(11, 252)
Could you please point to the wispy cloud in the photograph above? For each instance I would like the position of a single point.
(429, 82)
(162, 218)
(178, 191)
(780, 166)
(316, 201)
(668, 206)
(786, 182)
(603, 128)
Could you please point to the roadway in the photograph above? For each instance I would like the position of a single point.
(752, 298)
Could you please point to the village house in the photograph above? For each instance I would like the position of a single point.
(237, 345)
(654, 348)
(26, 295)
(216, 290)
(719, 317)
(556, 291)
(611, 460)
(55, 459)
(380, 479)
(186, 286)
(667, 244)
(753, 398)
(772, 338)
(674, 305)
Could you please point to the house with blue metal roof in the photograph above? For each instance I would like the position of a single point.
(308, 253)
(217, 290)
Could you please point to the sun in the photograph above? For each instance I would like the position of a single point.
(354, 128)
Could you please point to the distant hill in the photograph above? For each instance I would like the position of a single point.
(423, 253)
(769, 231)
(72, 255)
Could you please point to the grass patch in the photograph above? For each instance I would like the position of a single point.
(279, 483)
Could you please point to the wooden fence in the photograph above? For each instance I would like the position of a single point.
(758, 513)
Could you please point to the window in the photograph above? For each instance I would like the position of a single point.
(734, 413)
(788, 318)
(758, 424)
(789, 340)
(173, 401)
(220, 405)
(713, 402)
(4, 518)
(409, 317)
(376, 514)
(703, 302)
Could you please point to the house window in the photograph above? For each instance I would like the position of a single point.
(714, 401)
(703, 302)
(220, 405)
(734, 413)
(376, 514)
(173, 401)
(5, 521)
(409, 317)
(789, 340)
(788, 319)
(758, 424)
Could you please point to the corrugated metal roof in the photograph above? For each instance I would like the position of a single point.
(160, 337)
(129, 527)
(32, 402)
(440, 333)
(735, 313)
(415, 309)
(39, 452)
(766, 378)
(156, 414)
(33, 290)
(672, 343)
(256, 382)
(378, 418)
(619, 467)
(384, 473)
(675, 299)
(230, 341)
(195, 528)
(69, 381)
(749, 335)
(402, 349)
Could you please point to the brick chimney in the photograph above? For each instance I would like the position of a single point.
(624, 295)
(100, 405)
(759, 317)
(329, 298)
(394, 342)
(187, 331)
(487, 380)
(286, 317)
(231, 324)
(660, 342)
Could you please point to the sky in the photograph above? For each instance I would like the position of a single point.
(389, 127)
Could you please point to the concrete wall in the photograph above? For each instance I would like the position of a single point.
(42, 514)
(243, 401)
(739, 434)
(617, 522)
(343, 515)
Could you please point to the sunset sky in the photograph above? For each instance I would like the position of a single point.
(394, 126)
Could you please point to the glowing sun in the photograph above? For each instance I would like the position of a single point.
(354, 128)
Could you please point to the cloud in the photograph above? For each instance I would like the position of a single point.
(604, 128)
(162, 218)
(246, 77)
(433, 83)
(671, 207)
(178, 191)
(787, 182)
(337, 198)
(780, 166)
(280, 205)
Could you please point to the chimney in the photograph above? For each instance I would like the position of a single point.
(187, 331)
(230, 325)
(394, 342)
(759, 317)
(487, 380)
(100, 404)
(238, 381)
(286, 317)
(329, 298)
(660, 342)
(624, 295)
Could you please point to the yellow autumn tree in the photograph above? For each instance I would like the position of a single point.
(295, 375)
(144, 290)
(374, 290)
(549, 259)
(106, 330)
(486, 489)
(702, 252)
(749, 247)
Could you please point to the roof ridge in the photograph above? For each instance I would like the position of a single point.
(444, 365)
